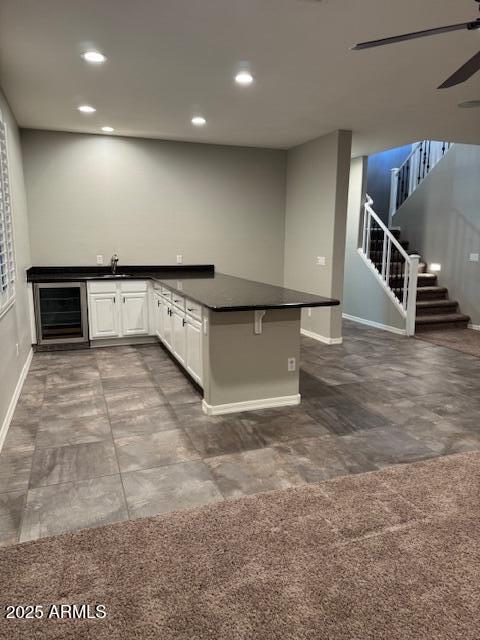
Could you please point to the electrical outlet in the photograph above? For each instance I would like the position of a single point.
(291, 364)
(321, 261)
(473, 257)
(309, 313)
(179, 258)
(99, 259)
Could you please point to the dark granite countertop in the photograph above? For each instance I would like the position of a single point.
(76, 274)
(216, 291)
(221, 292)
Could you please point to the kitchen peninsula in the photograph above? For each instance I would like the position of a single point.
(238, 339)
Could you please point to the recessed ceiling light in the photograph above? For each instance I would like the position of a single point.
(198, 121)
(86, 108)
(470, 104)
(244, 78)
(108, 129)
(95, 57)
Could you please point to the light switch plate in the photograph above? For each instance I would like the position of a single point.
(321, 261)
(99, 259)
(473, 257)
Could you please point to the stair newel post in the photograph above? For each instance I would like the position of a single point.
(412, 294)
(393, 194)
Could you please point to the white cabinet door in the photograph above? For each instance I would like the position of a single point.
(158, 319)
(194, 349)
(178, 328)
(166, 323)
(103, 315)
(134, 314)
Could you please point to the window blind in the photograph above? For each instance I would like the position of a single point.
(7, 253)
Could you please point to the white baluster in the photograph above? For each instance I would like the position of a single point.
(384, 255)
(369, 231)
(389, 256)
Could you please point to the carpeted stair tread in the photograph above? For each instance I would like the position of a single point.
(442, 318)
(430, 293)
(427, 279)
(431, 306)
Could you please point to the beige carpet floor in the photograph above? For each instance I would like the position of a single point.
(386, 555)
(465, 340)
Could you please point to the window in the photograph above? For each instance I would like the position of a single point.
(7, 255)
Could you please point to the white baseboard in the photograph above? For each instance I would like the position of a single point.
(118, 342)
(13, 402)
(375, 325)
(475, 327)
(320, 338)
(250, 405)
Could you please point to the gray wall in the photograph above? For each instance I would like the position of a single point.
(441, 219)
(240, 365)
(363, 296)
(379, 178)
(316, 211)
(151, 200)
(14, 324)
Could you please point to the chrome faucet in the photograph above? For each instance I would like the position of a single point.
(113, 263)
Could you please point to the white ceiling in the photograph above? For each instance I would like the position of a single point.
(169, 59)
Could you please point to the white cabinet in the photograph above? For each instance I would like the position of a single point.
(135, 314)
(103, 315)
(166, 323)
(181, 330)
(157, 316)
(117, 309)
(123, 309)
(193, 330)
(178, 334)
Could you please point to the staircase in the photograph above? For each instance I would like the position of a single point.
(425, 155)
(434, 310)
(414, 291)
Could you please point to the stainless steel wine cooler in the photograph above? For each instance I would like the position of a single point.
(61, 313)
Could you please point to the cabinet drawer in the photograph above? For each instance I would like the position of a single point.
(102, 286)
(193, 309)
(133, 286)
(178, 300)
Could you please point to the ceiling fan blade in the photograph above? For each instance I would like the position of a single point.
(465, 72)
(412, 36)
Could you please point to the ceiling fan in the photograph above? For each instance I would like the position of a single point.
(465, 72)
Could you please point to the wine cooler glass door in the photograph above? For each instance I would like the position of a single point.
(61, 313)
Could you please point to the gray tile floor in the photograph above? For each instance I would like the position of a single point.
(109, 434)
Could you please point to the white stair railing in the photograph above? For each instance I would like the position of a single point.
(421, 160)
(391, 264)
